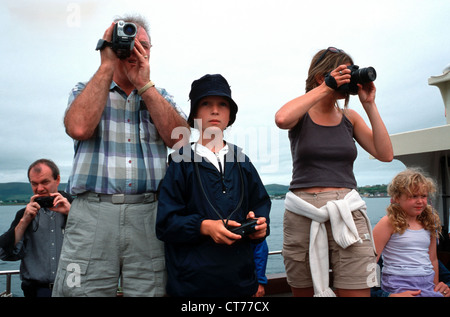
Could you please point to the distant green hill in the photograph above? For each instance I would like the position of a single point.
(18, 192)
(21, 192)
(276, 189)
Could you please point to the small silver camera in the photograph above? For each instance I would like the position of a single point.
(123, 37)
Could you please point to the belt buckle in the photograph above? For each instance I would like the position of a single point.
(118, 198)
(149, 197)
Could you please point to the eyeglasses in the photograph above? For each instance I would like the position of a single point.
(330, 49)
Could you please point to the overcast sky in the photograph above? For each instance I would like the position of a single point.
(262, 47)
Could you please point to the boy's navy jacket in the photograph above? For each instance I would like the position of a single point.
(196, 265)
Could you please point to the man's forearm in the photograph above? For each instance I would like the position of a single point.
(164, 116)
(84, 114)
(19, 230)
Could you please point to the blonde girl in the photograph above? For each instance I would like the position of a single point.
(406, 237)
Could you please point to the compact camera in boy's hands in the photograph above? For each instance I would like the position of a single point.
(246, 228)
(45, 201)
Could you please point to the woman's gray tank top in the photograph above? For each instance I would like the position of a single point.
(322, 156)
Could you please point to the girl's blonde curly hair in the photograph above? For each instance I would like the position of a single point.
(411, 182)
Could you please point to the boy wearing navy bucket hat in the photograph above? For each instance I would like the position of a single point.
(212, 206)
(211, 85)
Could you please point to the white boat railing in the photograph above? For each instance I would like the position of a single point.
(9, 274)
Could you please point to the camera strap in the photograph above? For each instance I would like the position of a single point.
(102, 44)
(330, 81)
(197, 172)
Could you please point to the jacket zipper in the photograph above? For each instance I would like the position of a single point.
(222, 174)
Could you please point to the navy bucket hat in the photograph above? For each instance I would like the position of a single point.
(210, 85)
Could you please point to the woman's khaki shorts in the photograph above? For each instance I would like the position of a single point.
(353, 267)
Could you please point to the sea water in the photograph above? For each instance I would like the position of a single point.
(376, 208)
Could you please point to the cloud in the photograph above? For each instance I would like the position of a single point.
(262, 47)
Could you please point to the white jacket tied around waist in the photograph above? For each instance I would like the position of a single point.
(339, 212)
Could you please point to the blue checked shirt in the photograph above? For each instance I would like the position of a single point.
(126, 155)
